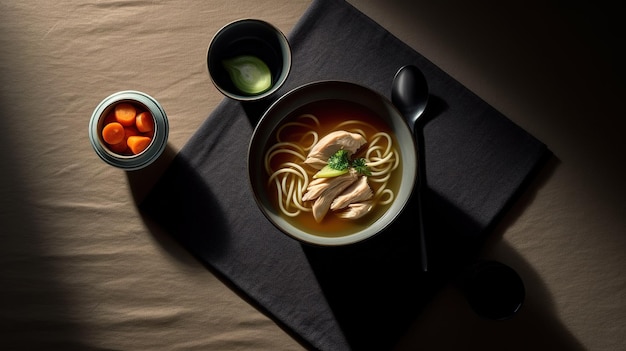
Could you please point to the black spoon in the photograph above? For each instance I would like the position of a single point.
(493, 289)
(409, 93)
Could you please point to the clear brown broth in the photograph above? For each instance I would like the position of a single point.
(330, 113)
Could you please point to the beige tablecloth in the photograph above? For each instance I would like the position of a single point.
(79, 268)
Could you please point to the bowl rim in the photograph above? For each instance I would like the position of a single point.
(405, 139)
(286, 65)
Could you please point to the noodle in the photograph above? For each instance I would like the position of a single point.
(291, 179)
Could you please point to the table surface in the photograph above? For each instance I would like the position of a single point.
(80, 269)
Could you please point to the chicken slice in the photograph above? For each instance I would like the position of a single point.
(356, 210)
(357, 192)
(316, 188)
(324, 192)
(331, 143)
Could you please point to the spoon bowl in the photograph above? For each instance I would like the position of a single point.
(409, 93)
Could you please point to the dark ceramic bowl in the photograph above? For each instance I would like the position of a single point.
(338, 92)
(248, 37)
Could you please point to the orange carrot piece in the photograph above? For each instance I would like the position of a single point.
(138, 143)
(144, 122)
(125, 113)
(113, 133)
(122, 147)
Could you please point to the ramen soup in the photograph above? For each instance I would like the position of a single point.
(291, 175)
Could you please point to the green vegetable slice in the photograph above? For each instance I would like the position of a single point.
(249, 74)
(338, 164)
(329, 172)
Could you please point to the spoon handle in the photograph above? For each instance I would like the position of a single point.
(422, 236)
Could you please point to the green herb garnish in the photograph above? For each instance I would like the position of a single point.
(360, 166)
(340, 160)
(339, 163)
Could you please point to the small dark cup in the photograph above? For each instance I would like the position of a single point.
(248, 37)
(493, 289)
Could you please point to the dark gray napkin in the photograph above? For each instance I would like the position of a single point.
(366, 295)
